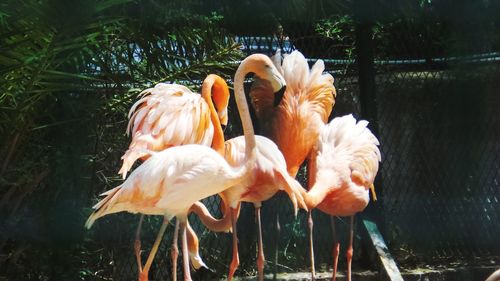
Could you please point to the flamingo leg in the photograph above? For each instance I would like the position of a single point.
(143, 276)
(336, 248)
(185, 253)
(260, 256)
(236, 259)
(137, 244)
(174, 252)
(310, 224)
(277, 240)
(349, 252)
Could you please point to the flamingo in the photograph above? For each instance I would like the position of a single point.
(171, 115)
(170, 181)
(270, 177)
(295, 123)
(344, 164)
(495, 276)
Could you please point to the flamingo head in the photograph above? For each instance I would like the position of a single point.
(264, 69)
(221, 101)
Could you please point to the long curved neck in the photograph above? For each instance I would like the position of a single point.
(213, 224)
(206, 93)
(241, 102)
(316, 193)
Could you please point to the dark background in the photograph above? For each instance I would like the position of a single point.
(426, 75)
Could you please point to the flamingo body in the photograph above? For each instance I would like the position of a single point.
(294, 124)
(344, 163)
(347, 158)
(169, 182)
(269, 174)
(172, 115)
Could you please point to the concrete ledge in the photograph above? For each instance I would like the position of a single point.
(479, 273)
(320, 276)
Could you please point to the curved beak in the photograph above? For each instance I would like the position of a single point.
(278, 96)
(278, 82)
(223, 117)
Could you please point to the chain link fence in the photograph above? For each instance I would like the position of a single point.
(439, 128)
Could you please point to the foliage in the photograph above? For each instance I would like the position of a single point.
(69, 71)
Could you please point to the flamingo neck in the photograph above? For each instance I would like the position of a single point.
(206, 93)
(241, 102)
(213, 224)
(315, 195)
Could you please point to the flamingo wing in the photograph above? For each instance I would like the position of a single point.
(168, 183)
(312, 86)
(349, 144)
(347, 159)
(166, 115)
(294, 123)
(270, 173)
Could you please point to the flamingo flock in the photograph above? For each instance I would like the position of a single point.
(178, 136)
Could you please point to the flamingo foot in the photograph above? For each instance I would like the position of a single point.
(260, 266)
(232, 268)
(335, 254)
(143, 276)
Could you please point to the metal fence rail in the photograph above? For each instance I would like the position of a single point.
(439, 128)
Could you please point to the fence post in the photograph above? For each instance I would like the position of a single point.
(373, 217)
(364, 12)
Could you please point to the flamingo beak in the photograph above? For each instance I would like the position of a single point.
(278, 96)
(223, 117)
(277, 81)
(374, 195)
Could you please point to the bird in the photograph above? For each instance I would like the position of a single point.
(270, 176)
(495, 276)
(344, 164)
(294, 123)
(171, 115)
(170, 181)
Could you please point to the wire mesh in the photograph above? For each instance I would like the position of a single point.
(438, 125)
(439, 136)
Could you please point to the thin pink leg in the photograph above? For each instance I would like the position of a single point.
(260, 255)
(236, 259)
(137, 244)
(185, 253)
(143, 276)
(174, 252)
(349, 252)
(310, 224)
(336, 248)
